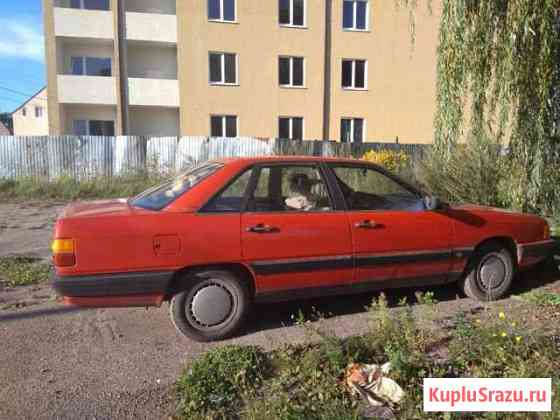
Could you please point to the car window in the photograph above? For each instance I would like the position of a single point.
(231, 199)
(365, 188)
(161, 196)
(290, 188)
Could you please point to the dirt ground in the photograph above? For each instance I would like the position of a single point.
(66, 363)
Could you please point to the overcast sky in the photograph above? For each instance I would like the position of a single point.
(22, 69)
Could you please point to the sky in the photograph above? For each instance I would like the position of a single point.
(22, 67)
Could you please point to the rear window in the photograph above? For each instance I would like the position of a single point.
(161, 196)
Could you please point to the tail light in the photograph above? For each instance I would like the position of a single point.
(63, 251)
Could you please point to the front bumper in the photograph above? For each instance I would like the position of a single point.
(534, 252)
(111, 285)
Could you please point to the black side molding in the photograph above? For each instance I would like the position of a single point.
(120, 284)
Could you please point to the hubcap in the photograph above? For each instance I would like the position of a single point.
(492, 272)
(211, 305)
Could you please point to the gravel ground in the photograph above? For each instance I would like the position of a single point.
(65, 363)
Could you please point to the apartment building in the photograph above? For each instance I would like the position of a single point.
(301, 69)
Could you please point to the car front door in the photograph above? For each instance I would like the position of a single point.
(293, 235)
(396, 240)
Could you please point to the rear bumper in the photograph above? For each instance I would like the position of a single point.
(534, 252)
(121, 289)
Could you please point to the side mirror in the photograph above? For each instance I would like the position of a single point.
(432, 203)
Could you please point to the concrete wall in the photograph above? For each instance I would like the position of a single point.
(258, 40)
(399, 101)
(152, 61)
(29, 124)
(400, 98)
(148, 121)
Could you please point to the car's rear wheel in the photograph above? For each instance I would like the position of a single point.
(212, 307)
(489, 274)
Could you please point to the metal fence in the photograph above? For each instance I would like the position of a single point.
(86, 157)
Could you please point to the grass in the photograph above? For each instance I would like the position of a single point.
(307, 381)
(543, 298)
(67, 188)
(22, 271)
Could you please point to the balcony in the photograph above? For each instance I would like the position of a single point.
(153, 92)
(81, 23)
(94, 90)
(151, 27)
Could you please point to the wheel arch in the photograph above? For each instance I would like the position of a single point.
(506, 241)
(179, 281)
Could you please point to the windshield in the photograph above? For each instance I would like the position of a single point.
(161, 196)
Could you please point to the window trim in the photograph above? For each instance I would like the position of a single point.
(85, 67)
(364, 130)
(291, 126)
(354, 27)
(353, 61)
(222, 55)
(291, 75)
(330, 166)
(88, 128)
(221, 19)
(83, 6)
(223, 117)
(291, 24)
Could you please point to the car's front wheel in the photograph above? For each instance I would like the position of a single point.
(213, 306)
(489, 274)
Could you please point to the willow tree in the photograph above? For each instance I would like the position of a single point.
(501, 58)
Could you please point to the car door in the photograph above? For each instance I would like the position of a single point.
(295, 251)
(395, 240)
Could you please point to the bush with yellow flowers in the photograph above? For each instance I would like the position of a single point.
(389, 159)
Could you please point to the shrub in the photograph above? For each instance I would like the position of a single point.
(215, 382)
(471, 172)
(397, 162)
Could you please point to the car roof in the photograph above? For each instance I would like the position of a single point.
(260, 159)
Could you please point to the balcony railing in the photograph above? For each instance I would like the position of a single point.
(153, 92)
(151, 27)
(78, 23)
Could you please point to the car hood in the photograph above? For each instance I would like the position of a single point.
(496, 214)
(96, 208)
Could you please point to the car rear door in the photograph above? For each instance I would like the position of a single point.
(295, 252)
(395, 240)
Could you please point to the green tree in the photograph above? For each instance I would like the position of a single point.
(502, 58)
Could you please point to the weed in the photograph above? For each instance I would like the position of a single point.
(542, 298)
(21, 271)
(215, 383)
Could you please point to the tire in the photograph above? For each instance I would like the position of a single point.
(213, 307)
(489, 273)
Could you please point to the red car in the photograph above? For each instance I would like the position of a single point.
(234, 231)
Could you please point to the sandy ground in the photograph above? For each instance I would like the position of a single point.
(65, 363)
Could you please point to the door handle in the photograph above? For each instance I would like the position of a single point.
(262, 228)
(366, 224)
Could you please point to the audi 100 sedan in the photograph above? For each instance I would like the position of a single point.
(236, 231)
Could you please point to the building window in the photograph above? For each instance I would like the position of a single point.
(290, 128)
(355, 15)
(90, 4)
(291, 12)
(38, 112)
(223, 68)
(24, 111)
(223, 126)
(352, 130)
(93, 128)
(90, 66)
(221, 10)
(354, 74)
(291, 71)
